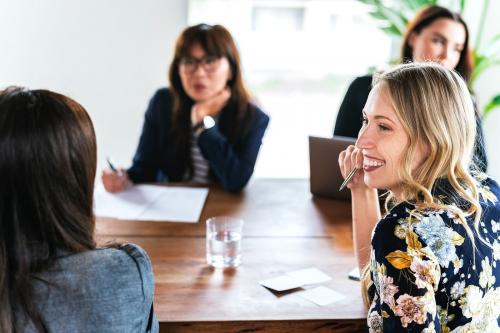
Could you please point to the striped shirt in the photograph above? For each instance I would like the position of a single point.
(200, 164)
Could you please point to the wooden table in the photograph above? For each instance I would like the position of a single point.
(285, 229)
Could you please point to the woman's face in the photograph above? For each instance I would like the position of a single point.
(203, 76)
(442, 41)
(382, 141)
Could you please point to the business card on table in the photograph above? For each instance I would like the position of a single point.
(309, 276)
(322, 295)
(295, 279)
(281, 283)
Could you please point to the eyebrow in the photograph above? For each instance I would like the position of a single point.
(443, 37)
(380, 117)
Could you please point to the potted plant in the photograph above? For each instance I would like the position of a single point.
(393, 21)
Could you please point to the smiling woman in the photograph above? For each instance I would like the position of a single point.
(203, 127)
(441, 229)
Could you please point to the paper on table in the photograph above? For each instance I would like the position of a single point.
(309, 276)
(322, 295)
(281, 283)
(152, 203)
(295, 279)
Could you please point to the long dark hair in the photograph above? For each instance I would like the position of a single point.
(47, 170)
(426, 17)
(215, 41)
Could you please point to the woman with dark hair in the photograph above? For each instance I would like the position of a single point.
(204, 127)
(52, 276)
(435, 34)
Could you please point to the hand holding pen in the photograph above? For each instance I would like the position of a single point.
(351, 167)
(114, 179)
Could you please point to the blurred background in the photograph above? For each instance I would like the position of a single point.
(298, 57)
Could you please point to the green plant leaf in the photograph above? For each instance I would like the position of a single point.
(392, 29)
(494, 103)
(462, 6)
(482, 65)
(493, 47)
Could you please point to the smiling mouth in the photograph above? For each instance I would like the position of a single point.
(371, 164)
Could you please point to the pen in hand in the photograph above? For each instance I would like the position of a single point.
(348, 178)
(112, 167)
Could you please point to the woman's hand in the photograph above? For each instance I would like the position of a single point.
(115, 181)
(349, 159)
(209, 107)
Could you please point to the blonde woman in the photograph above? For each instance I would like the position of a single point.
(434, 263)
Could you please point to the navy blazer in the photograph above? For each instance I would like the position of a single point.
(230, 165)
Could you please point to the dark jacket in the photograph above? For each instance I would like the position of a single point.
(349, 122)
(231, 165)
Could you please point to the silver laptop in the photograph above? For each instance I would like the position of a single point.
(325, 176)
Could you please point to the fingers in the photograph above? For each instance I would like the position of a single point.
(345, 160)
(114, 182)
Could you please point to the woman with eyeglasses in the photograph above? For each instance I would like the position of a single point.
(435, 34)
(202, 128)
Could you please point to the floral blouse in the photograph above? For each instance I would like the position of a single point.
(427, 276)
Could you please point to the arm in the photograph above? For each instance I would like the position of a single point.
(145, 164)
(364, 203)
(233, 166)
(406, 274)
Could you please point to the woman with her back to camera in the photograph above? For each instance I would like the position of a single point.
(53, 278)
(434, 261)
(203, 127)
(434, 34)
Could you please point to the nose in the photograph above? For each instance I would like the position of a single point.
(365, 138)
(199, 70)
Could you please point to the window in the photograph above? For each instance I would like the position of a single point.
(298, 59)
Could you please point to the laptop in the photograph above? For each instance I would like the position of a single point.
(325, 176)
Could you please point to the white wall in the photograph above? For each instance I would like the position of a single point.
(108, 55)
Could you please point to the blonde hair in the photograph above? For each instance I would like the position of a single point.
(436, 110)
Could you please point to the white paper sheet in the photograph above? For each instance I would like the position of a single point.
(322, 295)
(151, 203)
(295, 279)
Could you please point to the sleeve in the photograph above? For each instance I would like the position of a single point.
(149, 322)
(406, 275)
(233, 167)
(145, 164)
(348, 122)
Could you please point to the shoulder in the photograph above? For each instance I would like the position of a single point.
(259, 115)
(362, 83)
(489, 190)
(128, 264)
(162, 99)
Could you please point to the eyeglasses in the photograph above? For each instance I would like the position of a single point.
(208, 63)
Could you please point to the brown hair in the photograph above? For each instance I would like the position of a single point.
(426, 17)
(47, 168)
(215, 41)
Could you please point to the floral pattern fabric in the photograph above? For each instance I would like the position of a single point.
(427, 274)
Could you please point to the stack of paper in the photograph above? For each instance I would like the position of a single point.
(151, 203)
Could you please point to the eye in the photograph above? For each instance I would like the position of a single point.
(364, 120)
(209, 60)
(438, 41)
(384, 128)
(188, 61)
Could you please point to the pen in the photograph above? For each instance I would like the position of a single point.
(348, 178)
(111, 166)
